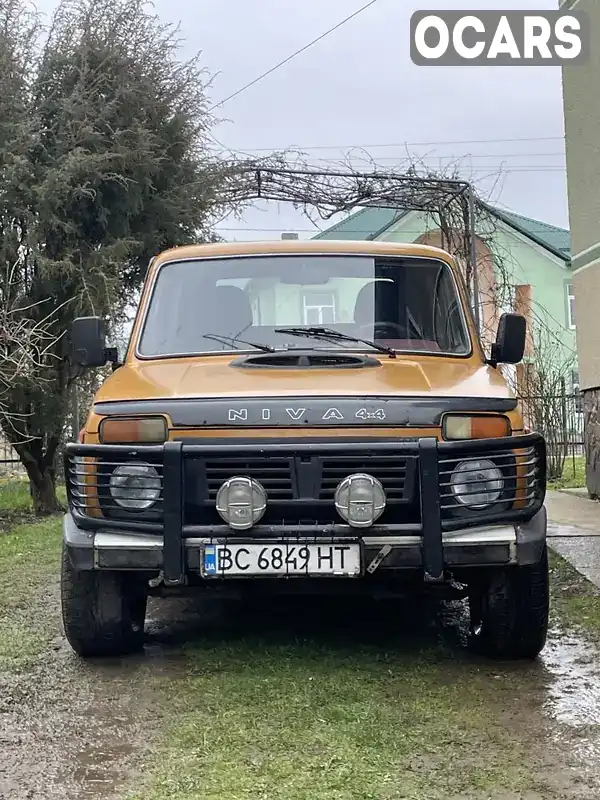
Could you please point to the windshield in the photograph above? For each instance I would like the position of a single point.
(409, 304)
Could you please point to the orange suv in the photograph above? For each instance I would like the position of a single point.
(304, 416)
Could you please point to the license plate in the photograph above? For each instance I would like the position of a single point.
(225, 560)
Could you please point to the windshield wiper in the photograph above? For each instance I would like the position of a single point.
(333, 336)
(232, 342)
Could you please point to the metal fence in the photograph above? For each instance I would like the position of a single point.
(10, 464)
(560, 419)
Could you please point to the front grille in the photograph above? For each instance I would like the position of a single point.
(284, 478)
(393, 472)
(300, 487)
(275, 474)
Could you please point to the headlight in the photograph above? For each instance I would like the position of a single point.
(241, 502)
(135, 486)
(477, 483)
(360, 500)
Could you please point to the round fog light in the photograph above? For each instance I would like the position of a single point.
(360, 500)
(477, 483)
(135, 486)
(241, 502)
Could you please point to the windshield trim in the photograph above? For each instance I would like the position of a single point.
(335, 254)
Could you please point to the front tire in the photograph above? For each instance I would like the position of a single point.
(103, 612)
(509, 611)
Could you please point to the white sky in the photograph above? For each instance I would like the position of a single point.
(358, 87)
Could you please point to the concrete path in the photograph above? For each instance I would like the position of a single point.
(574, 531)
(570, 510)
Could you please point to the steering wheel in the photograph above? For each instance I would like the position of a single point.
(383, 330)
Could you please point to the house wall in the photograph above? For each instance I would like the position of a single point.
(582, 124)
(549, 278)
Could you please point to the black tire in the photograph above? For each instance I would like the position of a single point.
(103, 612)
(509, 611)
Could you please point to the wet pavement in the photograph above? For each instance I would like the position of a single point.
(581, 551)
(578, 513)
(70, 730)
(574, 531)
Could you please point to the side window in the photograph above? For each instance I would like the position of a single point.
(447, 314)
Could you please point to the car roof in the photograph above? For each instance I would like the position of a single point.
(308, 246)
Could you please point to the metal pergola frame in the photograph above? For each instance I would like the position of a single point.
(332, 191)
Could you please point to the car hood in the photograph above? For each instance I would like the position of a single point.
(214, 377)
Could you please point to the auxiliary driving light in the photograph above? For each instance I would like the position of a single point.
(477, 483)
(360, 500)
(135, 486)
(241, 502)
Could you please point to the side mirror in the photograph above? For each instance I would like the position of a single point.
(510, 340)
(88, 342)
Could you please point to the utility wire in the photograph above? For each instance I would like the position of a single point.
(397, 144)
(456, 156)
(464, 167)
(293, 55)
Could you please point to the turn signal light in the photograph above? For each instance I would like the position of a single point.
(475, 427)
(128, 430)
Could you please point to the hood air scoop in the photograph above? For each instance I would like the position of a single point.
(305, 360)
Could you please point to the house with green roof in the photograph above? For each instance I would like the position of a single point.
(523, 264)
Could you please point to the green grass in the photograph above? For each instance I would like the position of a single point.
(573, 476)
(29, 557)
(322, 720)
(293, 720)
(15, 497)
(29, 554)
(575, 601)
(307, 722)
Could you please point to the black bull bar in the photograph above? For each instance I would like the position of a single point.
(521, 459)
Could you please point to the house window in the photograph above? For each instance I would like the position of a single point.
(318, 308)
(571, 305)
